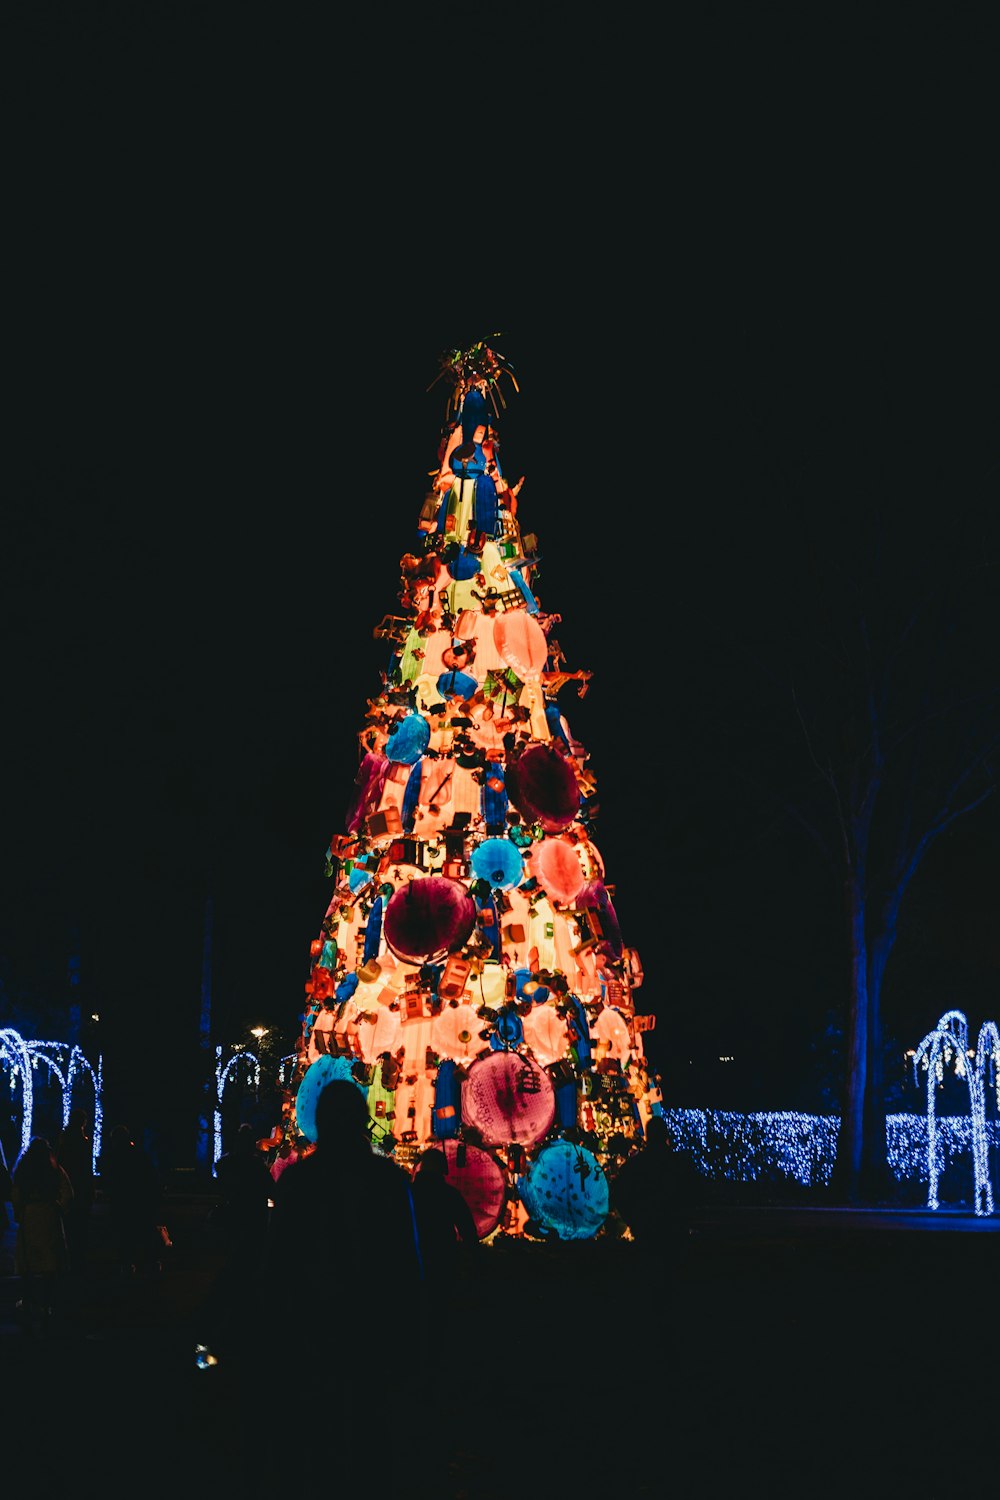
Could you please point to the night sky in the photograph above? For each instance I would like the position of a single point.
(755, 333)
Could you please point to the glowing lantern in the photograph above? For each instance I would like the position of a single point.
(455, 1033)
(408, 741)
(379, 1031)
(546, 1033)
(521, 643)
(556, 866)
(427, 918)
(565, 1189)
(498, 861)
(542, 785)
(508, 1098)
(323, 1071)
(610, 1034)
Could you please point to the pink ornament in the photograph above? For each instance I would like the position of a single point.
(479, 1179)
(455, 1033)
(521, 643)
(546, 1033)
(508, 1098)
(556, 866)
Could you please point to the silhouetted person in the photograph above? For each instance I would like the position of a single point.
(75, 1154)
(244, 1186)
(41, 1194)
(446, 1229)
(131, 1185)
(340, 1296)
(656, 1191)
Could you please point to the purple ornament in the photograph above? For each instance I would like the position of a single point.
(543, 787)
(428, 918)
(594, 897)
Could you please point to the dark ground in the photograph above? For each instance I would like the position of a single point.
(794, 1352)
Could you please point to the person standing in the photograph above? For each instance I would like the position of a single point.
(240, 1215)
(129, 1182)
(656, 1193)
(41, 1194)
(446, 1229)
(341, 1268)
(75, 1154)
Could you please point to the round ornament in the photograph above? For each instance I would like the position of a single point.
(479, 1179)
(556, 866)
(498, 861)
(456, 684)
(428, 918)
(323, 1071)
(408, 741)
(546, 1033)
(508, 1098)
(455, 1033)
(565, 1189)
(543, 786)
(521, 644)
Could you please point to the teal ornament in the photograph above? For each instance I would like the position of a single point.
(498, 861)
(565, 1190)
(408, 741)
(323, 1071)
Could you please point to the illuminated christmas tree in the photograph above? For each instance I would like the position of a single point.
(470, 974)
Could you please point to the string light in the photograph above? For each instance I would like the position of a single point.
(222, 1077)
(64, 1062)
(946, 1046)
(803, 1147)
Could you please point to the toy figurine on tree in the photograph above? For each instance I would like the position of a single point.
(470, 974)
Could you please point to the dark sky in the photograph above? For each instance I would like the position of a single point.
(750, 302)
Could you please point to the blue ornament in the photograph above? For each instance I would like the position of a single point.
(409, 739)
(463, 564)
(565, 1189)
(359, 878)
(323, 1071)
(494, 798)
(411, 796)
(498, 861)
(345, 989)
(373, 933)
(447, 1101)
(456, 684)
(509, 1028)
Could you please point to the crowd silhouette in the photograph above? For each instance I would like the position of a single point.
(41, 1195)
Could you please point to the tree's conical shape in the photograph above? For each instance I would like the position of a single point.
(470, 971)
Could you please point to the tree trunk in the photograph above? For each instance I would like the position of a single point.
(874, 1182)
(847, 1172)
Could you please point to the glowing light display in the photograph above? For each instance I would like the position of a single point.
(226, 1073)
(64, 1063)
(470, 971)
(947, 1046)
(802, 1148)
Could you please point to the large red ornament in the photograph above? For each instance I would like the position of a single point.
(428, 918)
(543, 787)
